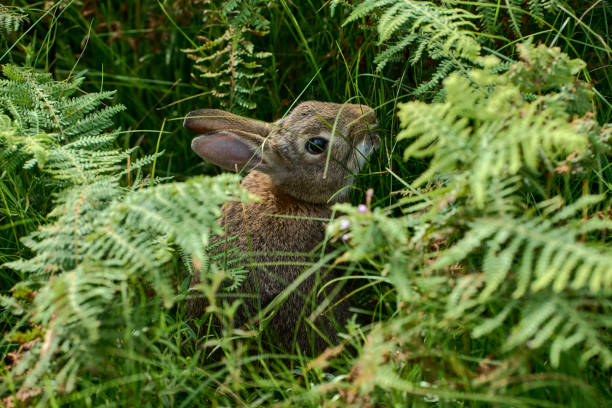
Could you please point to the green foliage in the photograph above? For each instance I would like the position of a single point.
(43, 113)
(470, 252)
(477, 268)
(540, 256)
(494, 13)
(103, 237)
(487, 129)
(445, 32)
(440, 29)
(11, 19)
(127, 243)
(229, 62)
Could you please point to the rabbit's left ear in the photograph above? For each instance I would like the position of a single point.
(231, 141)
(205, 121)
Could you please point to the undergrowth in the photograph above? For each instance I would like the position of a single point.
(477, 237)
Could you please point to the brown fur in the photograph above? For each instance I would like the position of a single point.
(290, 182)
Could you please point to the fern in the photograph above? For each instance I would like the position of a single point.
(514, 8)
(129, 241)
(229, 62)
(552, 252)
(512, 12)
(444, 31)
(536, 7)
(490, 15)
(441, 72)
(102, 236)
(485, 282)
(42, 113)
(539, 270)
(11, 19)
(531, 258)
(467, 136)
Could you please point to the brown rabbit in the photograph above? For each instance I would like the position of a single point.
(287, 161)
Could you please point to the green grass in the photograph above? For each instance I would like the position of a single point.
(136, 48)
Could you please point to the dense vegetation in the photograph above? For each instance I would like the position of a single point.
(476, 239)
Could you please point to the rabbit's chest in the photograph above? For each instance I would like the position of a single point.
(279, 246)
(276, 222)
(263, 228)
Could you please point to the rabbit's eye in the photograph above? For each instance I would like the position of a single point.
(316, 145)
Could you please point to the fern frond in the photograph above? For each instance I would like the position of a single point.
(230, 62)
(556, 321)
(11, 19)
(101, 236)
(43, 114)
(447, 32)
(514, 8)
(490, 15)
(536, 258)
(365, 8)
(550, 256)
(77, 107)
(441, 72)
(383, 58)
(92, 123)
(536, 7)
(170, 210)
(467, 135)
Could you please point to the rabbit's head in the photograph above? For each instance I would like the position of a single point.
(298, 152)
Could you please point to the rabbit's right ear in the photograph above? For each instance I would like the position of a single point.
(231, 141)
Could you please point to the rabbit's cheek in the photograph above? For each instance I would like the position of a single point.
(343, 195)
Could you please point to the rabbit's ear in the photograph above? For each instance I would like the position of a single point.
(205, 121)
(231, 141)
(232, 151)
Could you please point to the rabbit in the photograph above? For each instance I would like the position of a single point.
(286, 161)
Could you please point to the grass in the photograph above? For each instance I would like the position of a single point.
(136, 48)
